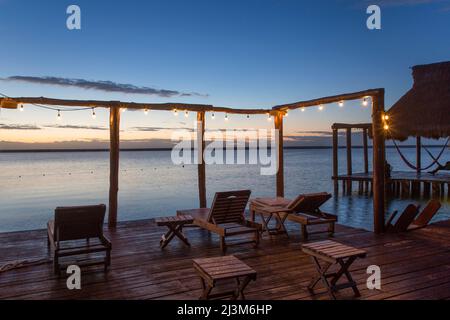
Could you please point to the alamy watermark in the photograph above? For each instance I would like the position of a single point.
(73, 21)
(250, 146)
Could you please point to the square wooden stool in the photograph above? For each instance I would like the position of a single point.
(333, 253)
(175, 225)
(214, 269)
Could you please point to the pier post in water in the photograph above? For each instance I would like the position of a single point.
(114, 134)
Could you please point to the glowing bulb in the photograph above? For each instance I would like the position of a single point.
(21, 107)
(386, 117)
(58, 117)
(303, 109)
(365, 102)
(123, 109)
(146, 111)
(226, 117)
(269, 117)
(175, 112)
(93, 113)
(186, 114)
(213, 116)
(386, 127)
(320, 107)
(341, 104)
(287, 113)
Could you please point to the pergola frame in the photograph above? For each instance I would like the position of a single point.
(377, 96)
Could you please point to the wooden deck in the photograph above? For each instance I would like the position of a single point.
(414, 265)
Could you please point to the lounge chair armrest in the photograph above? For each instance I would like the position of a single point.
(253, 224)
(105, 241)
(391, 218)
(209, 226)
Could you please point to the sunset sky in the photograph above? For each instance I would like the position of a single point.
(247, 53)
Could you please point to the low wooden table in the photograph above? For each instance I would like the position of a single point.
(276, 211)
(175, 225)
(214, 269)
(333, 253)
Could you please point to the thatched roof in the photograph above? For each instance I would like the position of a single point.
(425, 109)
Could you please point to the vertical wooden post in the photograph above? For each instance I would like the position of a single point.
(280, 155)
(366, 151)
(378, 161)
(418, 154)
(114, 136)
(201, 161)
(335, 160)
(349, 159)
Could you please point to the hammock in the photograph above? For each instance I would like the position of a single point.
(435, 159)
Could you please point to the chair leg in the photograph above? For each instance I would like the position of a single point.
(56, 269)
(256, 238)
(331, 229)
(223, 245)
(107, 259)
(304, 232)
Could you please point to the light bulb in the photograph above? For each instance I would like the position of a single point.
(123, 109)
(320, 107)
(175, 112)
(58, 117)
(146, 111)
(226, 116)
(365, 102)
(386, 117)
(303, 109)
(21, 107)
(93, 113)
(386, 127)
(186, 114)
(287, 113)
(269, 117)
(341, 103)
(213, 116)
(248, 116)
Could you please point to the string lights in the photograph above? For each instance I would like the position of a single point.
(226, 116)
(58, 116)
(146, 111)
(213, 116)
(320, 107)
(303, 109)
(269, 117)
(365, 102)
(21, 107)
(175, 112)
(93, 113)
(186, 113)
(341, 103)
(385, 118)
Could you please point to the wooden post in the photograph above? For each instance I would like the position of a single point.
(366, 151)
(114, 136)
(418, 154)
(335, 160)
(349, 159)
(201, 160)
(280, 155)
(378, 161)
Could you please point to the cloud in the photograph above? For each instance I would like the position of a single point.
(154, 129)
(19, 127)
(75, 127)
(107, 86)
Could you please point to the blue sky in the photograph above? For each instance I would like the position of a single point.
(248, 53)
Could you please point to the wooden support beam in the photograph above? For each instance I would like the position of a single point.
(335, 160)
(201, 161)
(366, 151)
(114, 134)
(280, 154)
(418, 154)
(349, 159)
(378, 161)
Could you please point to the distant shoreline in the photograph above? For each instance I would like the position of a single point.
(169, 149)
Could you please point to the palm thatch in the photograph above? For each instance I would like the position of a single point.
(425, 109)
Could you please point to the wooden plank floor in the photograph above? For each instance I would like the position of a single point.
(414, 265)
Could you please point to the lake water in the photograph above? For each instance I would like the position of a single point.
(33, 184)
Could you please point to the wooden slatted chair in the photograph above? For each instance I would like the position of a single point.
(425, 216)
(226, 217)
(78, 223)
(404, 221)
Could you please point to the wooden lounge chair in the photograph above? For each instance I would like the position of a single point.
(226, 217)
(425, 215)
(404, 221)
(304, 209)
(78, 223)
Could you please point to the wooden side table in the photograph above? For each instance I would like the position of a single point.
(333, 253)
(212, 270)
(175, 225)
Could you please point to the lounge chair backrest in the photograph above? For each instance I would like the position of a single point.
(405, 219)
(229, 207)
(427, 213)
(309, 203)
(73, 223)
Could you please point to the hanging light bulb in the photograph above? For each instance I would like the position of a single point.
(248, 116)
(212, 116)
(365, 102)
(21, 107)
(303, 109)
(341, 103)
(386, 117)
(175, 112)
(320, 107)
(58, 117)
(386, 127)
(123, 109)
(93, 113)
(146, 111)
(186, 114)
(226, 116)
(287, 113)
(269, 117)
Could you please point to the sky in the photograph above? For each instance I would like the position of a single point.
(246, 54)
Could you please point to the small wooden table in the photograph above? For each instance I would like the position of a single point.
(333, 253)
(175, 225)
(214, 269)
(266, 211)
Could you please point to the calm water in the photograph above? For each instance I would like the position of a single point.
(33, 184)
